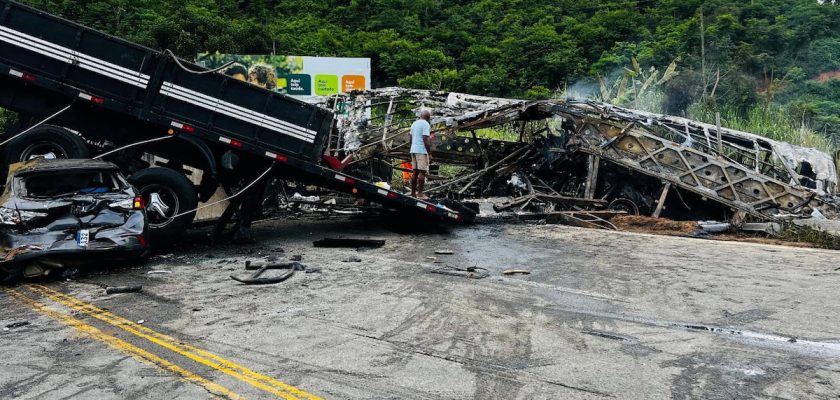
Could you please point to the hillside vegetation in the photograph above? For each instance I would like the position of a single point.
(744, 57)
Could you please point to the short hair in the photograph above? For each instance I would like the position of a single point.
(235, 69)
(264, 75)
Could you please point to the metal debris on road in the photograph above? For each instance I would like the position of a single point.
(515, 271)
(444, 252)
(349, 243)
(123, 289)
(469, 272)
(14, 325)
(255, 279)
(352, 259)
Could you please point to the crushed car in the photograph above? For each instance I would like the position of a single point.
(60, 214)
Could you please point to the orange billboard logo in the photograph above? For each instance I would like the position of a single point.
(352, 82)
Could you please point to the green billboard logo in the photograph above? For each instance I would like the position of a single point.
(326, 85)
(299, 85)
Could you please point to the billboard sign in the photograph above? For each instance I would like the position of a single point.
(299, 76)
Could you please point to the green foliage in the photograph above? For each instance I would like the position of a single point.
(773, 121)
(433, 79)
(635, 85)
(7, 118)
(517, 48)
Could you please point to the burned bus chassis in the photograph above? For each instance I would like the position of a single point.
(585, 155)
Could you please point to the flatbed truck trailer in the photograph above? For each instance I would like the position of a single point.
(100, 92)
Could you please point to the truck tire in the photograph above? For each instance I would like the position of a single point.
(167, 193)
(42, 140)
(46, 139)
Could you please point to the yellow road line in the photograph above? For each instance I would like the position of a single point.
(201, 356)
(124, 346)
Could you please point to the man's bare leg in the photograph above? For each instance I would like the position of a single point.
(414, 183)
(421, 182)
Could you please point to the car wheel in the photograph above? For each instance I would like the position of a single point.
(167, 193)
(42, 141)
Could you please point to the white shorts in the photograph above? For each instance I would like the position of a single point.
(420, 162)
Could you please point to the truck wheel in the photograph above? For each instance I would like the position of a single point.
(41, 141)
(167, 193)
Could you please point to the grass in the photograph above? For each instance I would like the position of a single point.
(806, 234)
(496, 134)
(773, 121)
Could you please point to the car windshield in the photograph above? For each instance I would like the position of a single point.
(63, 183)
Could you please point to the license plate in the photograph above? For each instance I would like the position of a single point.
(83, 237)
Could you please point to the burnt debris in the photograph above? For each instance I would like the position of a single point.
(585, 161)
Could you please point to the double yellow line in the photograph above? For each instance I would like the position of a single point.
(196, 354)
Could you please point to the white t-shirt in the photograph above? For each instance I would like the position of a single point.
(419, 129)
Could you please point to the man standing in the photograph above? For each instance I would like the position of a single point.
(421, 149)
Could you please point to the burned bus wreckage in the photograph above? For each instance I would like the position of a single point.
(587, 158)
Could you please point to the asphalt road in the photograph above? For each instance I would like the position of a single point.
(601, 315)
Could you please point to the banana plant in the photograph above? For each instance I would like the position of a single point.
(635, 83)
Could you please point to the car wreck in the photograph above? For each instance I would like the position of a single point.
(62, 213)
(576, 155)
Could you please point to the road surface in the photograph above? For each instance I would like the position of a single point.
(601, 315)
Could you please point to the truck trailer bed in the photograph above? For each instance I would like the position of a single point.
(137, 87)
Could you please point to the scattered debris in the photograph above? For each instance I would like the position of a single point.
(469, 272)
(254, 279)
(123, 289)
(158, 272)
(772, 228)
(714, 226)
(296, 257)
(141, 321)
(444, 252)
(515, 271)
(14, 325)
(350, 243)
(607, 335)
(352, 259)
(431, 258)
